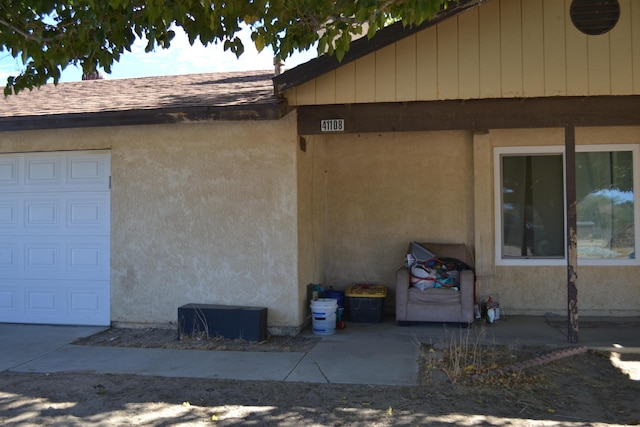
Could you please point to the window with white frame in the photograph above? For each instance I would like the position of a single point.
(531, 207)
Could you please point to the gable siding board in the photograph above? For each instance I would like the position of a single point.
(635, 42)
(365, 46)
(326, 88)
(511, 48)
(621, 52)
(426, 50)
(385, 74)
(468, 55)
(447, 36)
(499, 49)
(346, 84)
(366, 79)
(577, 60)
(405, 68)
(554, 48)
(490, 51)
(532, 49)
(306, 93)
(598, 63)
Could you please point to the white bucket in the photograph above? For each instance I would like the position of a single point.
(323, 316)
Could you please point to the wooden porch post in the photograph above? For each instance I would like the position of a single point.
(572, 240)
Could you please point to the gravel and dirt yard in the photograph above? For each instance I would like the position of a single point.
(460, 384)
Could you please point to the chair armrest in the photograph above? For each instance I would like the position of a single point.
(402, 293)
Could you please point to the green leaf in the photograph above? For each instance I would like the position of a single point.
(259, 42)
(96, 32)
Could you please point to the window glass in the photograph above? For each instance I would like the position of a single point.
(605, 205)
(532, 206)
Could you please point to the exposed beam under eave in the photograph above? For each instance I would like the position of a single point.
(474, 114)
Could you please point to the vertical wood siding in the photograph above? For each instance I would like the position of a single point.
(501, 49)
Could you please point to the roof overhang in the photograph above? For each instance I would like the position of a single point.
(273, 111)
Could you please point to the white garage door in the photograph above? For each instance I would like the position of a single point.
(54, 238)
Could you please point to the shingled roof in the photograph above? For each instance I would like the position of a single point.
(247, 95)
(153, 100)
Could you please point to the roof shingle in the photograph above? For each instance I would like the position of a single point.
(248, 94)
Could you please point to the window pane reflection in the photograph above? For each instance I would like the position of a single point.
(533, 206)
(605, 205)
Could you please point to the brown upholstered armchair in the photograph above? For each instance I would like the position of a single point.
(437, 304)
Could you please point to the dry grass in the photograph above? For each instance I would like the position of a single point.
(463, 357)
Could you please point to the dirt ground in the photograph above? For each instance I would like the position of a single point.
(581, 389)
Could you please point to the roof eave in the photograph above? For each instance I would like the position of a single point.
(271, 111)
(362, 47)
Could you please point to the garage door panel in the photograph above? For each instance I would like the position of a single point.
(87, 258)
(88, 300)
(43, 170)
(29, 301)
(61, 215)
(10, 172)
(43, 213)
(88, 214)
(35, 258)
(44, 299)
(83, 171)
(46, 171)
(9, 259)
(43, 259)
(10, 301)
(8, 214)
(43, 302)
(55, 238)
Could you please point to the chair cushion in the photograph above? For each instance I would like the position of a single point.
(434, 296)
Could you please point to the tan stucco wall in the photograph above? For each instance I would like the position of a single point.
(201, 213)
(54, 140)
(311, 220)
(385, 190)
(602, 290)
(237, 213)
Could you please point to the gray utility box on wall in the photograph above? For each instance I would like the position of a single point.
(228, 321)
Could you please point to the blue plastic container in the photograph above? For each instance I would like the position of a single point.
(336, 295)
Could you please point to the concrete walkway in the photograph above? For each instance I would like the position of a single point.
(380, 353)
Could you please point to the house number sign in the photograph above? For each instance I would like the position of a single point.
(332, 125)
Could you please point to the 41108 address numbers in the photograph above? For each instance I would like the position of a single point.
(332, 125)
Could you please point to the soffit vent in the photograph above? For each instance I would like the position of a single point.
(595, 17)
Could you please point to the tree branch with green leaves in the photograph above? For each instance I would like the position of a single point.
(47, 36)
